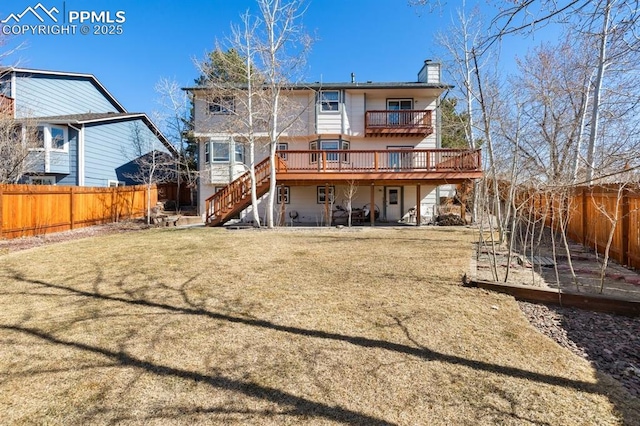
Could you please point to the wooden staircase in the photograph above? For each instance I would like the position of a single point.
(235, 197)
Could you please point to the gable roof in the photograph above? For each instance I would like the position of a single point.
(89, 77)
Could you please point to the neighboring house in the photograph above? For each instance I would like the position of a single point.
(383, 138)
(86, 137)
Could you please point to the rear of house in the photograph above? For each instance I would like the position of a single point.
(373, 145)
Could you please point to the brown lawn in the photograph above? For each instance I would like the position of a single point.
(208, 326)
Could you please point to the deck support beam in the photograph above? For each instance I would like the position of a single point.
(418, 203)
(327, 219)
(372, 210)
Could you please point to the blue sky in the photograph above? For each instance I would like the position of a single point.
(378, 40)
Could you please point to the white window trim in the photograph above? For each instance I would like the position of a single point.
(287, 194)
(115, 183)
(212, 156)
(48, 142)
(65, 136)
(321, 196)
(400, 100)
(322, 103)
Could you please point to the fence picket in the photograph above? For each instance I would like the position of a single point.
(28, 210)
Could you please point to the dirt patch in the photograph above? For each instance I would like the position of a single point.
(18, 244)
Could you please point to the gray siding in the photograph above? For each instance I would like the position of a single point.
(111, 146)
(41, 96)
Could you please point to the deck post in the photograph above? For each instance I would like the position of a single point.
(625, 226)
(327, 220)
(1, 196)
(463, 202)
(282, 206)
(585, 219)
(418, 202)
(372, 210)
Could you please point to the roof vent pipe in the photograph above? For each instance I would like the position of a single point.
(353, 77)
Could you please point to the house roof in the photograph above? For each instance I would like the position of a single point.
(90, 117)
(347, 85)
(89, 77)
(105, 117)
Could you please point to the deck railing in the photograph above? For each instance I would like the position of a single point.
(398, 121)
(401, 160)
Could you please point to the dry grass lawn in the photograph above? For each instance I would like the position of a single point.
(208, 326)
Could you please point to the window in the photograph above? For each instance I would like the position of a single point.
(40, 137)
(5, 88)
(330, 100)
(398, 118)
(283, 193)
(322, 196)
(41, 180)
(393, 196)
(220, 152)
(114, 183)
(222, 105)
(330, 145)
(207, 153)
(51, 138)
(239, 151)
(282, 146)
(401, 157)
(58, 138)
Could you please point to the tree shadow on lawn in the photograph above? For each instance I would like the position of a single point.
(300, 406)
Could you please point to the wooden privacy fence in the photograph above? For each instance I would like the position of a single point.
(592, 212)
(27, 210)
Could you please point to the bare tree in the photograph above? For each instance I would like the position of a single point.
(273, 48)
(173, 119)
(349, 192)
(21, 144)
(282, 54)
(152, 163)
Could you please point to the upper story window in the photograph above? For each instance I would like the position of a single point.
(51, 137)
(58, 138)
(222, 105)
(330, 100)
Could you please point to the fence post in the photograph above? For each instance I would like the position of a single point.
(72, 207)
(625, 227)
(1, 223)
(585, 219)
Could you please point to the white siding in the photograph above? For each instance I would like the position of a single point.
(329, 122)
(356, 113)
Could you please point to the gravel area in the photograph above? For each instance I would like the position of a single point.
(610, 342)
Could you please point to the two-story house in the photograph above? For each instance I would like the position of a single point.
(375, 144)
(85, 136)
